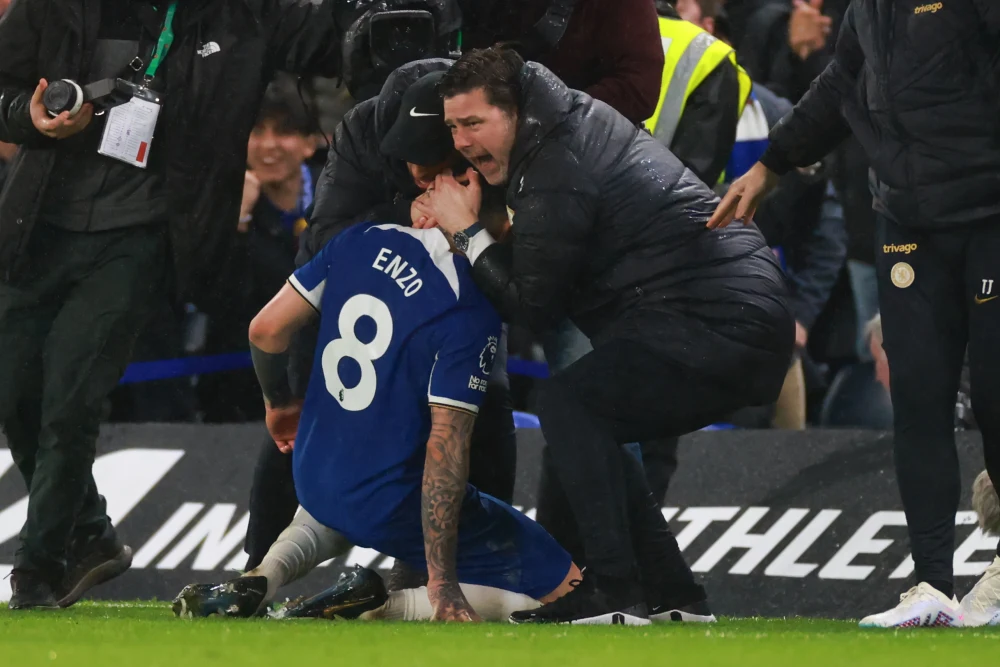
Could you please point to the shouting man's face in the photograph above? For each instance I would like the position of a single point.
(483, 133)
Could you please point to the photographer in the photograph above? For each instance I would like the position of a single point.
(98, 217)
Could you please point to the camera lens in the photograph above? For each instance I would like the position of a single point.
(62, 96)
(399, 42)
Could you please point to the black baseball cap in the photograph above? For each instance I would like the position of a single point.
(419, 134)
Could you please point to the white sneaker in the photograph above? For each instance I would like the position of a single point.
(921, 606)
(982, 605)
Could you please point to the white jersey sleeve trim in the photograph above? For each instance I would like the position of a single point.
(314, 296)
(452, 403)
(478, 243)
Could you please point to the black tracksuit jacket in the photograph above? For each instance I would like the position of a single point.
(917, 83)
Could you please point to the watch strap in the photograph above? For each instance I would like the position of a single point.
(473, 229)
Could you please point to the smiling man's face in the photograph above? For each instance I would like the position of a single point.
(483, 133)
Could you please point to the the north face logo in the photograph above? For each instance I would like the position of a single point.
(208, 49)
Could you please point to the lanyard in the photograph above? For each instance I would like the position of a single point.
(163, 45)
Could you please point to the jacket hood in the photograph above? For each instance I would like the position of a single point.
(545, 103)
(391, 97)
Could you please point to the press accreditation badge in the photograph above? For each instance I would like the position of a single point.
(128, 131)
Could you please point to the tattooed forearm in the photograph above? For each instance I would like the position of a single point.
(446, 472)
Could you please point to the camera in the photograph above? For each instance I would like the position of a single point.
(68, 95)
(381, 35)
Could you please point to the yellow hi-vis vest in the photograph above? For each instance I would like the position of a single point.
(690, 55)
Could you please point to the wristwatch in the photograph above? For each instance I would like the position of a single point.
(462, 238)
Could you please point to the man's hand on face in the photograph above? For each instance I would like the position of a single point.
(62, 126)
(418, 218)
(454, 206)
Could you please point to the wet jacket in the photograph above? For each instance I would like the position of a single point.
(609, 226)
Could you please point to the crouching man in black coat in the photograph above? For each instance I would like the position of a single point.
(687, 324)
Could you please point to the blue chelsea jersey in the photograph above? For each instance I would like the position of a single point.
(402, 327)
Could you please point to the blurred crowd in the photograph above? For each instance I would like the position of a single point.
(819, 222)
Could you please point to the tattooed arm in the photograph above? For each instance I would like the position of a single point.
(446, 472)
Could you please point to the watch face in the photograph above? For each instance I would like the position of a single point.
(461, 241)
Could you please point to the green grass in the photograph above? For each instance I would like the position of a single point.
(145, 634)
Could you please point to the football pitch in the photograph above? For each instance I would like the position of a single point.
(147, 634)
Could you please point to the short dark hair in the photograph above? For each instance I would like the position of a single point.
(290, 112)
(496, 69)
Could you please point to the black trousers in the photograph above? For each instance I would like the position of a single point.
(624, 391)
(492, 467)
(67, 327)
(659, 463)
(937, 297)
(564, 345)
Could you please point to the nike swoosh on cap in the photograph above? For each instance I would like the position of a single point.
(989, 298)
(415, 114)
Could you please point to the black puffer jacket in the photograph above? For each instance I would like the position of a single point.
(359, 182)
(210, 105)
(608, 223)
(917, 83)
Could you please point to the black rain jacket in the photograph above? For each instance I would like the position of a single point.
(609, 229)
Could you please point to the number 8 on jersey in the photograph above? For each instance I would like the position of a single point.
(348, 346)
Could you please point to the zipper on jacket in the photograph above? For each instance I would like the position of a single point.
(889, 36)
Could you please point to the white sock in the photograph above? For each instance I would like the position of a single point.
(298, 550)
(412, 604)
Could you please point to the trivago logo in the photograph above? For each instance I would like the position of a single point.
(931, 8)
